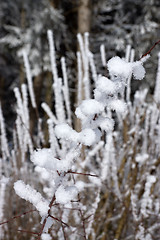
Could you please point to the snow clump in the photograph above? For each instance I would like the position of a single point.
(120, 69)
(89, 107)
(46, 236)
(64, 131)
(86, 136)
(29, 194)
(118, 105)
(105, 85)
(45, 159)
(65, 195)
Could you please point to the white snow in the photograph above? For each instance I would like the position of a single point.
(65, 195)
(106, 124)
(146, 202)
(45, 159)
(118, 67)
(138, 70)
(64, 131)
(45, 175)
(105, 85)
(89, 107)
(29, 194)
(141, 158)
(46, 236)
(87, 137)
(80, 185)
(118, 106)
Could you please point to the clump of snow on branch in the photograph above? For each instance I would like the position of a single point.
(46, 236)
(65, 195)
(29, 194)
(44, 158)
(105, 85)
(121, 69)
(89, 107)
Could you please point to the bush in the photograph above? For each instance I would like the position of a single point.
(97, 178)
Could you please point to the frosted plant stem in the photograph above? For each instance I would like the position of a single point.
(47, 109)
(25, 105)
(86, 66)
(40, 133)
(57, 85)
(3, 184)
(81, 46)
(14, 161)
(52, 55)
(3, 138)
(52, 138)
(103, 55)
(84, 52)
(66, 89)
(93, 67)
(19, 135)
(79, 63)
(157, 87)
(93, 211)
(29, 79)
(146, 131)
(26, 118)
(128, 91)
(128, 52)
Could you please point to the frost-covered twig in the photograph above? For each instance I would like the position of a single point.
(29, 79)
(3, 137)
(149, 51)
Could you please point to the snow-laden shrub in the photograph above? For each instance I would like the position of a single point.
(99, 181)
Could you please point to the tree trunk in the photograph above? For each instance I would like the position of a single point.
(84, 16)
(84, 19)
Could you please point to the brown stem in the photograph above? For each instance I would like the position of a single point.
(63, 230)
(83, 224)
(18, 216)
(28, 232)
(84, 174)
(45, 220)
(144, 55)
(59, 220)
(83, 220)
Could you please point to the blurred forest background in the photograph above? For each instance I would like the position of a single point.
(114, 23)
(133, 155)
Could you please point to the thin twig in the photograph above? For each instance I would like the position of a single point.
(18, 216)
(83, 224)
(63, 230)
(28, 232)
(62, 225)
(144, 55)
(59, 220)
(45, 220)
(84, 174)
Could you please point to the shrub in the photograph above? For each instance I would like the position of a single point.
(99, 182)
